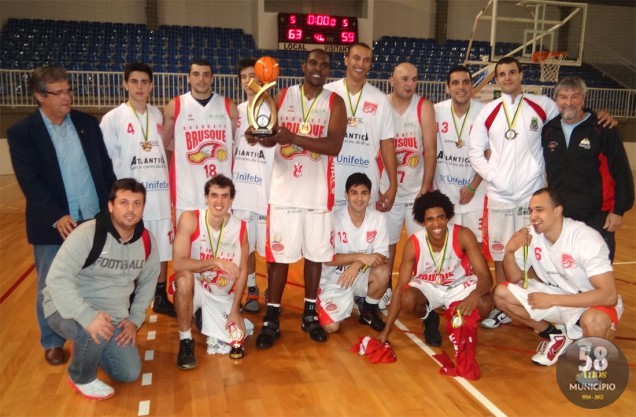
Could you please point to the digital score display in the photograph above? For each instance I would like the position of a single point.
(298, 31)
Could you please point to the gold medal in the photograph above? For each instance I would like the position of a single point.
(457, 321)
(352, 121)
(459, 143)
(304, 128)
(146, 146)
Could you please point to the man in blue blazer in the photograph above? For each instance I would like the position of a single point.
(61, 164)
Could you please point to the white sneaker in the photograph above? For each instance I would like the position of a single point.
(495, 319)
(548, 351)
(386, 299)
(96, 390)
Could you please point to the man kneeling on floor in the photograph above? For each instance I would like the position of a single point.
(88, 291)
(576, 292)
(359, 267)
(210, 254)
(442, 266)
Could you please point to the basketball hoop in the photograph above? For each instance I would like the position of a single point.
(550, 64)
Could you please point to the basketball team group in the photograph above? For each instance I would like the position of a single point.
(537, 186)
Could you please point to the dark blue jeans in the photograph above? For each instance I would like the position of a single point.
(120, 363)
(44, 255)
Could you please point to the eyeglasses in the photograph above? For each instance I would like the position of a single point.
(61, 93)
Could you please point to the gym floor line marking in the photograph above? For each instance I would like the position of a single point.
(152, 334)
(144, 408)
(152, 318)
(17, 283)
(146, 379)
(8, 185)
(481, 398)
(149, 355)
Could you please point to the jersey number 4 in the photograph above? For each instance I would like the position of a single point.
(130, 129)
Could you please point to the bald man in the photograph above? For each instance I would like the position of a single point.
(414, 120)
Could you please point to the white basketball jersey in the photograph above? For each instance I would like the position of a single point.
(124, 132)
(578, 254)
(203, 148)
(300, 178)
(453, 167)
(370, 237)
(252, 172)
(409, 151)
(228, 247)
(455, 264)
(361, 148)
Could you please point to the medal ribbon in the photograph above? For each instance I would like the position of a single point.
(525, 261)
(144, 131)
(215, 251)
(441, 259)
(302, 103)
(511, 126)
(353, 109)
(461, 131)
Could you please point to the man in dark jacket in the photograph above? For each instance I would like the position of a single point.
(61, 164)
(587, 163)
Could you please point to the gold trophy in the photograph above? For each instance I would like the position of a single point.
(266, 71)
(236, 337)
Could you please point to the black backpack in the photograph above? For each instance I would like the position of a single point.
(102, 223)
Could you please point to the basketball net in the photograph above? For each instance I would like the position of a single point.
(550, 64)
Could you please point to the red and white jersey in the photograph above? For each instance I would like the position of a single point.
(516, 168)
(203, 148)
(300, 178)
(252, 172)
(455, 265)
(409, 150)
(578, 254)
(370, 237)
(361, 148)
(453, 169)
(217, 283)
(124, 132)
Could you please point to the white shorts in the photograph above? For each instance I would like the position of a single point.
(294, 233)
(567, 316)
(500, 221)
(471, 220)
(445, 295)
(401, 213)
(336, 303)
(164, 235)
(215, 310)
(256, 228)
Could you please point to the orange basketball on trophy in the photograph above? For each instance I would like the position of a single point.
(266, 69)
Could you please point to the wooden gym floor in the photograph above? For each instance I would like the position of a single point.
(297, 377)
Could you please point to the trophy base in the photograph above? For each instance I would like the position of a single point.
(237, 352)
(263, 132)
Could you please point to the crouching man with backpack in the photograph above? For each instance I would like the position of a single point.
(88, 291)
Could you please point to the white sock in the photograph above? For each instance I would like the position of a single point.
(371, 300)
(251, 280)
(185, 335)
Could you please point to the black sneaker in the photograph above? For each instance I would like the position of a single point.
(162, 305)
(371, 317)
(311, 325)
(269, 332)
(198, 319)
(186, 359)
(432, 336)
